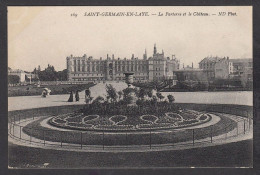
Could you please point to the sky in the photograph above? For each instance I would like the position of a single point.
(47, 35)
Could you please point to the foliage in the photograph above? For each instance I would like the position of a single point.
(111, 93)
(13, 79)
(160, 96)
(99, 99)
(121, 108)
(49, 74)
(120, 94)
(171, 98)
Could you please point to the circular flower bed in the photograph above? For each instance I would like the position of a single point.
(169, 120)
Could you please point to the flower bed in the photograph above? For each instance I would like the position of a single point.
(173, 116)
(114, 127)
(155, 126)
(121, 122)
(59, 121)
(90, 118)
(79, 125)
(188, 115)
(76, 118)
(187, 122)
(149, 118)
(116, 119)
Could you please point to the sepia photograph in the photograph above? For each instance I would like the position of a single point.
(130, 87)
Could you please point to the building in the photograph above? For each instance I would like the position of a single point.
(190, 78)
(111, 69)
(243, 67)
(216, 67)
(20, 73)
(191, 74)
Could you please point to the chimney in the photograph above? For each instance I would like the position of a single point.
(192, 65)
(112, 56)
(133, 56)
(107, 56)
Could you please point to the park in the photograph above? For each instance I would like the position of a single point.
(118, 117)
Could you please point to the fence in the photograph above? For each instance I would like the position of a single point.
(220, 132)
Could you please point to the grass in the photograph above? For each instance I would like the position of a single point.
(237, 154)
(31, 90)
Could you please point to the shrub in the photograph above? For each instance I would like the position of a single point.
(171, 98)
(111, 92)
(13, 79)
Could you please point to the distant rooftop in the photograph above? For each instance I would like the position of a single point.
(241, 60)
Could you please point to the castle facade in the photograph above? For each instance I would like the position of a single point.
(156, 67)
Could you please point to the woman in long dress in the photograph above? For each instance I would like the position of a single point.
(87, 95)
(77, 95)
(71, 97)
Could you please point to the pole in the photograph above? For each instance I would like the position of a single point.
(126, 138)
(237, 128)
(14, 119)
(249, 123)
(193, 137)
(60, 139)
(103, 140)
(211, 133)
(150, 137)
(244, 127)
(19, 120)
(44, 137)
(31, 136)
(226, 131)
(81, 140)
(20, 132)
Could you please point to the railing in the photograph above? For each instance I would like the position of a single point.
(222, 131)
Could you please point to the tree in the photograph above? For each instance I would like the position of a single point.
(159, 95)
(99, 99)
(13, 79)
(171, 98)
(62, 75)
(120, 94)
(111, 93)
(141, 93)
(149, 93)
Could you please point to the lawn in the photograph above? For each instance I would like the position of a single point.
(228, 155)
(31, 90)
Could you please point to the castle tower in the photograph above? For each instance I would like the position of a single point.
(154, 49)
(145, 55)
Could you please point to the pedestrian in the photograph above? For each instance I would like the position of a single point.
(71, 97)
(87, 95)
(77, 95)
(44, 94)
